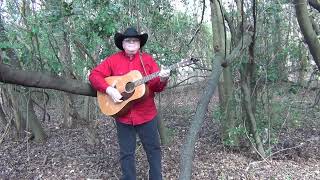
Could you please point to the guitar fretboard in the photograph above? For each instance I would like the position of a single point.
(156, 74)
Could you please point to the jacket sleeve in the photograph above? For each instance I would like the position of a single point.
(155, 84)
(98, 74)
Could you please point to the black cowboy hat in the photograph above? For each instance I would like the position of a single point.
(130, 33)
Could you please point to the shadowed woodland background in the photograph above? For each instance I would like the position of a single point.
(249, 109)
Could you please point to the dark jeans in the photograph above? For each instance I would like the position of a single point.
(148, 134)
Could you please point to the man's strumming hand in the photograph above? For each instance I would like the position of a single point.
(114, 94)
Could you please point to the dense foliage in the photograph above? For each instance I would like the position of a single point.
(39, 30)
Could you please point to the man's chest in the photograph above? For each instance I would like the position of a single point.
(124, 66)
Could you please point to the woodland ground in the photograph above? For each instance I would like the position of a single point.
(67, 155)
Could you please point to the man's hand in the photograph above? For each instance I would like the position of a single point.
(164, 74)
(114, 94)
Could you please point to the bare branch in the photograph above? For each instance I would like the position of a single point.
(182, 81)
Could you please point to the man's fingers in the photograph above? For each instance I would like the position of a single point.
(117, 97)
(117, 100)
(164, 73)
(114, 93)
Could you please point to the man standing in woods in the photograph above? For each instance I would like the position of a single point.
(142, 116)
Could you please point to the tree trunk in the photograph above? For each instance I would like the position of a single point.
(91, 133)
(69, 113)
(226, 85)
(229, 120)
(24, 116)
(8, 107)
(17, 114)
(303, 61)
(307, 30)
(249, 96)
(217, 26)
(162, 129)
(33, 123)
(188, 147)
(3, 118)
(86, 108)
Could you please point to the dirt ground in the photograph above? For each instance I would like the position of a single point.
(67, 154)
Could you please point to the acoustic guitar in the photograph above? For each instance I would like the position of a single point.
(132, 88)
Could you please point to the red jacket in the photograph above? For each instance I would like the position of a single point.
(120, 64)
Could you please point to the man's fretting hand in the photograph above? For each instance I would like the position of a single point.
(164, 74)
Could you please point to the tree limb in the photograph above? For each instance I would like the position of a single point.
(42, 80)
(188, 147)
(198, 119)
(184, 80)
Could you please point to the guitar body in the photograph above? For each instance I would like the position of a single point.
(109, 107)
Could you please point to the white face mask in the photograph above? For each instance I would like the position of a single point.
(131, 45)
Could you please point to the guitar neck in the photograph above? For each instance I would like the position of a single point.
(156, 74)
(146, 78)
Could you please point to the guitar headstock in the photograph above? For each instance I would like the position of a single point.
(183, 63)
(187, 62)
(194, 60)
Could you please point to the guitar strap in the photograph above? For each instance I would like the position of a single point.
(144, 68)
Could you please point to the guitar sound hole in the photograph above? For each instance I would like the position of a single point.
(129, 87)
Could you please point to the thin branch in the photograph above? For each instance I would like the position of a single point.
(6, 130)
(82, 50)
(294, 147)
(202, 68)
(199, 25)
(316, 100)
(182, 81)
